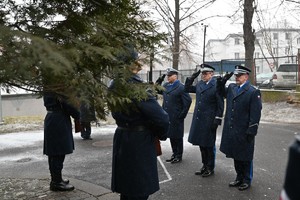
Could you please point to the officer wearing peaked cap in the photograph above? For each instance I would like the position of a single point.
(207, 116)
(243, 112)
(176, 102)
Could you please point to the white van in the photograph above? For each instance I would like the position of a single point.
(286, 76)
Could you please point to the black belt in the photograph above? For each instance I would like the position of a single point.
(133, 128)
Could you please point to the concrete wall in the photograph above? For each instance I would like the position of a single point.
(31, 105)
(22, 105)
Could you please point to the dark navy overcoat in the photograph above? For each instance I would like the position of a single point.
(58, 137)
(209, 105)
(243, 111)
(134, 165)
(176, 102)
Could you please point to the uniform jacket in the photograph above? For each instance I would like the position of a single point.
(134, 165)
(243, 111)
(209, 105)
(176, 102)
(58, 137)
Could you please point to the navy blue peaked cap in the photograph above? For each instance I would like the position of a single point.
(171, 71)
(239, 69)
(206, 68)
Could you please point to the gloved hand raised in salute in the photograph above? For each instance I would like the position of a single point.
(160, 79)
(195, 74)
(189, 80)
(225, 78)
(221, 81)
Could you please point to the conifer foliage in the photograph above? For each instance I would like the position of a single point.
(72, 47)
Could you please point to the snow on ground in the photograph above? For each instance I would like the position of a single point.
(281, 112)
(27, 138)
(28, 134)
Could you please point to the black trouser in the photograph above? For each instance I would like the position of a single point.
(56, 164)
(244, 170)
(86, 129)
(177, 147)
(125, 197)
(208, 155)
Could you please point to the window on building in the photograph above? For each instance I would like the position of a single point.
(287, 36)
(298, 40)
(236, 55)
(256, 55)
(236, 41)
(275, 36)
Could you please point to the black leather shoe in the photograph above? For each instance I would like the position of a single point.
(66, 181)
(176, 160)
(87, 138)
(235, 183)
(61, 186)
(244, 186)
(207, 173)
(202, 170)
(171, 159)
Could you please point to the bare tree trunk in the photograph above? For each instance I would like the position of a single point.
(249, 37)
(176, 36)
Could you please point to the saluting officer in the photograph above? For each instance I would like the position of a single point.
(207, 116)
(176, 102)
(243, 112)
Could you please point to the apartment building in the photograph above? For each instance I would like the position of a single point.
(273, 47)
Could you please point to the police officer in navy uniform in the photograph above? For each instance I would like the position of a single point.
(207, 116)
(243, 112)
(58, 137)
(176, 102)
(134, 165)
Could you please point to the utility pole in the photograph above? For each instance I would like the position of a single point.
(151, 65)
(204, 38)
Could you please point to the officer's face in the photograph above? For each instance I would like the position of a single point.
(172, 78)
(241, 78)
(206, 76)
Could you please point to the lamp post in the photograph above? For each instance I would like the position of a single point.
(204, 42)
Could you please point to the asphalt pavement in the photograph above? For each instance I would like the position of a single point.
(27, 176)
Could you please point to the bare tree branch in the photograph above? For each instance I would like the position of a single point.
(293, 1)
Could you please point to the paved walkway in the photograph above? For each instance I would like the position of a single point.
(32, 188)
(24, 189)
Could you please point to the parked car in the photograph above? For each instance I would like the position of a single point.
(286, 76)
(264, 80)
(267, 84)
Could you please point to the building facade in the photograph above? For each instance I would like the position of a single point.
(273, 47)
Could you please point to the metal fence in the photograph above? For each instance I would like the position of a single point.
(261, 66)
(271, 64)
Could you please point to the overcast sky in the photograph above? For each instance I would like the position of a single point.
(271, 13)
